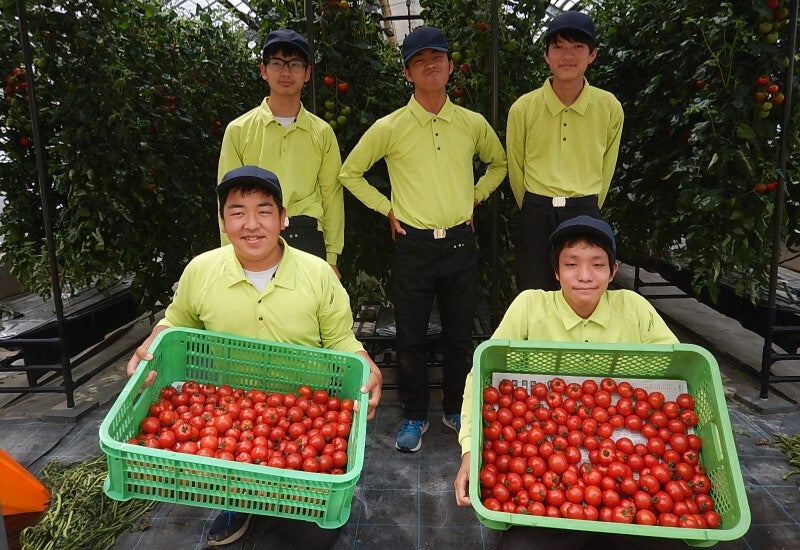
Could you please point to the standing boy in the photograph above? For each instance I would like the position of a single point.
(562, 142)
(583, 258)
(259, 287)
(299, 147)
(429, 146)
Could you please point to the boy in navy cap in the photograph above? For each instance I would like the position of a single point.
(298, 146)
(583, 258)
(428, 146)
(562, 142)
(259, 287)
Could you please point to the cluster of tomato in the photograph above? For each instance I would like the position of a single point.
(552, 451)
(306, 431)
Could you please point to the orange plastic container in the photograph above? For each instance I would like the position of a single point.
(20, 491)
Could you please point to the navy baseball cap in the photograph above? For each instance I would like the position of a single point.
(584, 225)
(287, 37)
(572, 21)
(423, 38)
(250, 176)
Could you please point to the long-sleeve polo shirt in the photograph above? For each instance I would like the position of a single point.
(621, 316)
(305, 157)
(303, 304)
(430, 163)
(559, 151)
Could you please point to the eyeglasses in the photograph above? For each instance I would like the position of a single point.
(277, 64)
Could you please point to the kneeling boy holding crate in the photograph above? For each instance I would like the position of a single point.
(259, 287)
(584, 310)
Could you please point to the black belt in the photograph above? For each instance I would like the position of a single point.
(443, 233)
(560, 202)
(302, 221)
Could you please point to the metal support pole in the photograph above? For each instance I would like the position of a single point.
(310, 37)
(494, 314)
(767, 357)
(41, 171)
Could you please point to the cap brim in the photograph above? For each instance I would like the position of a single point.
(254, 181)
(579, 231)
(415, 52)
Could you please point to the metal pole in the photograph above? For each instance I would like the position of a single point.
(494, 314)
(44, 196)
(767, 358)
(310, 37)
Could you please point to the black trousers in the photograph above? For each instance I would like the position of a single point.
(303, 234)
(289, 533)
(536, 222)
(446, 269)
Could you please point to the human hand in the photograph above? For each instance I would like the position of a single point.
(461, 483)
(394, 225)
(336, 271)
(373, 386)
(139, 355)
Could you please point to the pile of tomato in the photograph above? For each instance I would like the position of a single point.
(308, 430)
(552, 451)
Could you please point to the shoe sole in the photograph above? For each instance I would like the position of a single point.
(450, 425)
(414, 449)
(234, 537)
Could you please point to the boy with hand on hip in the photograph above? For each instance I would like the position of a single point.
(429, 146)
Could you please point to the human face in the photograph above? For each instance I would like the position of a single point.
(282, 78)
(253, 222)
(429, 70)
(584, 273)
(568, 60)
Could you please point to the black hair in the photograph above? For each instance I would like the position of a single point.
(246, 188)
(572, 35)
(589, 238)
(286, 49)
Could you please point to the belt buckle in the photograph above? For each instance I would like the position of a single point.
(559, 202)
(439, 233)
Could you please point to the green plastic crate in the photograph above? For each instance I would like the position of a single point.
(686, 362)
(135, 471)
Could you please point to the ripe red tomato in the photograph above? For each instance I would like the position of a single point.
(150, 425)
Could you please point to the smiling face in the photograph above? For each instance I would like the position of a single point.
(584, 273)
(429, 71)
(252, 220)
(568, 60)
(286, 73)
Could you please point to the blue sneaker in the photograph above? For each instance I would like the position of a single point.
(452, 421)
(409, 436)
(228, 527)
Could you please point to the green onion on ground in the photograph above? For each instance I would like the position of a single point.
(790, 445)
(79, 514)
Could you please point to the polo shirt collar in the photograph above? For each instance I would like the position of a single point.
(601, 315)
(302, 121)
(285, 276)
(554, 104)
(424, 117)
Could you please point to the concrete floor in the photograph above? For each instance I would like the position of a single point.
(405, 501)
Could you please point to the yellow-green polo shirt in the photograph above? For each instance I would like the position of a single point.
(305, 157)
(622, 316)
(303, 304)
(429, 158)
(559, 151)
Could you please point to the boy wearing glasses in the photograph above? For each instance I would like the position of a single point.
(299, 147)
(562, 142)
